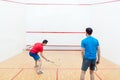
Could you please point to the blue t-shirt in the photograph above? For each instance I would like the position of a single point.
(90, 45)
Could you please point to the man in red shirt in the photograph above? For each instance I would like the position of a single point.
(38, 47)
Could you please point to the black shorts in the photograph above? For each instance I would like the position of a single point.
(88, 63)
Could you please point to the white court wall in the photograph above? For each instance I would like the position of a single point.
(12, 30)
(106, 22)
(57, 18)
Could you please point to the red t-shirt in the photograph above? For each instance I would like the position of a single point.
(38, 47)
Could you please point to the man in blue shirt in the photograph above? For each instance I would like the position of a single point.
(90, 54)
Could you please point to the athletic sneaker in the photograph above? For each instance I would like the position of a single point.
(39, 72)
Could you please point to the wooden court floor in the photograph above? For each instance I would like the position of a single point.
(21, 67)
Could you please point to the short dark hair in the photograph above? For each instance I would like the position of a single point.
(89, 30)
(45, 41)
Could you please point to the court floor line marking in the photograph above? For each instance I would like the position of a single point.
(98, 76)
(57, 71)
(17, 74)
(57, 74)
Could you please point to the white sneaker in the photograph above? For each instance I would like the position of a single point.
(40, 72)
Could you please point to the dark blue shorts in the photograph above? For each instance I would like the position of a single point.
(34, 55)
(88, 63)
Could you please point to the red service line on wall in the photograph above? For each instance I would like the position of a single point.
(55, 32)
(88, 4)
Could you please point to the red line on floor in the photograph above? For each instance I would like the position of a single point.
(57, 74)
(17, 74)
(98, 76)
(16, 68)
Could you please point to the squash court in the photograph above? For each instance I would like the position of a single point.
(62, 23)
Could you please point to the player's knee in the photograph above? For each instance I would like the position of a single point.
(91, 72)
